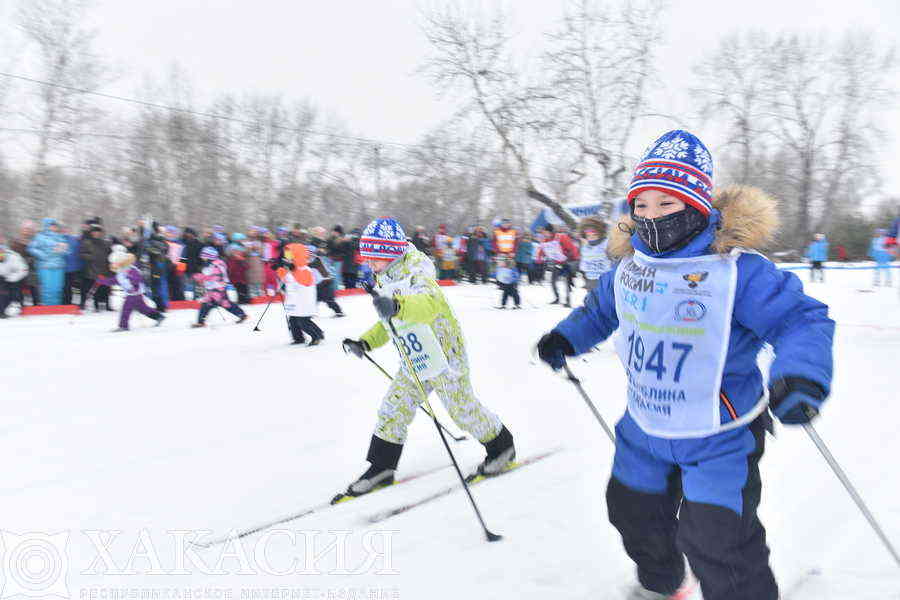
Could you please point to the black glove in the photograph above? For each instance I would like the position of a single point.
(553, 348)
(279, 263)
(795, 400)
(386, 306)
(356, 347)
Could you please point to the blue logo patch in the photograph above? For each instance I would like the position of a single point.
(690, 311)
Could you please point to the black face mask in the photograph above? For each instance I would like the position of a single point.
(672, 232)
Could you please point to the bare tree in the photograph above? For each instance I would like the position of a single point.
(802, 111)
(472, 54)
(824, 117)
(66, 59)
(600, 65)
(733, 86)
(581, 110)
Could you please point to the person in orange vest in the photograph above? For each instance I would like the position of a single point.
(506, 239)
(300, 294)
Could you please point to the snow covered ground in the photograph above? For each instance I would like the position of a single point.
(168, 429)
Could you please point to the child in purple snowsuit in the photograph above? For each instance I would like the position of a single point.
(128, 277)
(214, 279)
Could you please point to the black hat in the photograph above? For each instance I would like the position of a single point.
(338, 229)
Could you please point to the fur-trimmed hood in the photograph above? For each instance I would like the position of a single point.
(595, 223)
(748, 219)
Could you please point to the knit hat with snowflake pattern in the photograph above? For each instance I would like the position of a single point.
(678, 164)
(383, 238)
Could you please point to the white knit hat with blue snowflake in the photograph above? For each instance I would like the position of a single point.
(383, 238)
(678, 164)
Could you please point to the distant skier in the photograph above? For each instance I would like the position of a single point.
(128, 277)
(817, 253)
(409, 294)
(300, 294)
(594, 260)
(880, 252)
(508, 280)
(693, 304)
(558, 251)
(13, 270)
(213, 277)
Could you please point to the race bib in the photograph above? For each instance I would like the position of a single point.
(675, 323)
(420, 344)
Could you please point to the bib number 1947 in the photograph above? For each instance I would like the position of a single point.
(656, 362)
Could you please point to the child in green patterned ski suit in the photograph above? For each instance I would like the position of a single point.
(408, 293)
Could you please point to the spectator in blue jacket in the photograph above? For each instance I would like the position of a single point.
(879, 251)
(817, 253)
(49, 247)
(525, 256)
(694, 305)
(74, 265)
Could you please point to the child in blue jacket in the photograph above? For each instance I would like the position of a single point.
(508, 281)
(694, 303)
(880, 252)
(817, 253)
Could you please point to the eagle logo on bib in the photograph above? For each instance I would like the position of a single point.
(694, 279)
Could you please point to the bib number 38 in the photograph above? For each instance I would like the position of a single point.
(419, 343)
(410, 343)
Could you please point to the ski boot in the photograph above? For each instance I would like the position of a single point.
(242, 318)
(501, 452)
(196, 325)
(159, 319)
(316, 341)
(383, 457)
(118, 329)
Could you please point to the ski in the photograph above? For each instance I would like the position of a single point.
(801, 582)
(473, 479)
(339, 499)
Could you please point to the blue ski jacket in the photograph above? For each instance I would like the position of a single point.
(770, 306)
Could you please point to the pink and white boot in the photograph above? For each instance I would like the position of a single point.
(689, 590)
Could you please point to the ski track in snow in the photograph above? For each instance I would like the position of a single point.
(221, 428)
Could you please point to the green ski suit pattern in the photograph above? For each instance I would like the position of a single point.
(411, 281)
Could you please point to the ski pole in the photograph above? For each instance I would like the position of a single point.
(826, 454)
(265, 310)
(220, 313)
(456, 438)
(90, 294)
(491, 537)
(577, 383)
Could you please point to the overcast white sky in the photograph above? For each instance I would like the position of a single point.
(358, 57)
